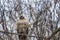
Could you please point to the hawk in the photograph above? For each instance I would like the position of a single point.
(22, 27)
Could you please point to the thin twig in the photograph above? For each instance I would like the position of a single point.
(21, 34)
(56, 31)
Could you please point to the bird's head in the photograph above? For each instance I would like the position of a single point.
(22, 17)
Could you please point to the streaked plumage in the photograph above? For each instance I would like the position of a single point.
(22, 27)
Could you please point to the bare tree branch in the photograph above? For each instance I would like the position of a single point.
(21, 34)
(56, 31)
(1, 38)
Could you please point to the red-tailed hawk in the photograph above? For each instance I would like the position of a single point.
(22, 27)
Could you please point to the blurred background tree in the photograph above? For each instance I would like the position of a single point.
(43, 15)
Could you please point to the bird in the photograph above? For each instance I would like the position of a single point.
(22, 27)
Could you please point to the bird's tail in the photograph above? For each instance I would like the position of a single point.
(22, 37)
